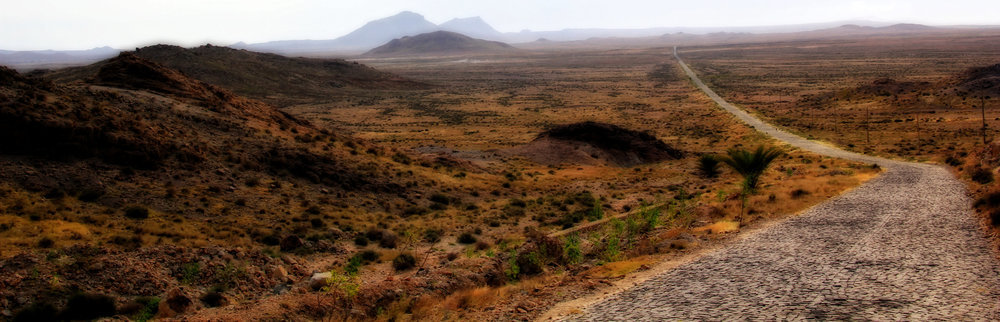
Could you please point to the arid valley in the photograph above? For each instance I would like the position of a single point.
(454, 176)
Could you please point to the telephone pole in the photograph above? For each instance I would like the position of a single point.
(982, 107)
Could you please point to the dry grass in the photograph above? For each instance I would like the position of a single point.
(621, 268)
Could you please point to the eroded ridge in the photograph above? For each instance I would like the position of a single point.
(904, 246)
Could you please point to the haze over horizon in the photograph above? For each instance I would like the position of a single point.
(70, 25)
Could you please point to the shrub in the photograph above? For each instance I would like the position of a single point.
(46, 242)
(368, 255)
(388, 240)
(571, 247)
(374, 234)
(404, 262)
(708, 166)
(42, 311)
(353, 266)
(432, 235)
(214, 299)
(995, 218)
(982, 176)
(798, 193)
(137, 212)
(530, 263)
(650, 217)
(85, 306)
(148, 307)
(190, 272)
(411, 211)
(361, 240)
(466, 238)
(440, 198)
(597, 212)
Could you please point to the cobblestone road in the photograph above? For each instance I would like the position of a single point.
(904, 246)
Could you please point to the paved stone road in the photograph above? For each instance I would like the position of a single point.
(903, 246)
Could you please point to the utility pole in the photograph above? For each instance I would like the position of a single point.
(868, 116)
(982, 107)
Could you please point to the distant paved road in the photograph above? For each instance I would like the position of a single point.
(903, 246)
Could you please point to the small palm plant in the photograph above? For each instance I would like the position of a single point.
(708, 165)
(750, 165)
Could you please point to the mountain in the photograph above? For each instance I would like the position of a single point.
(370, 35)
(275, 79)
(438, 43)
(474, 27)
(24, 60)
(380, 31)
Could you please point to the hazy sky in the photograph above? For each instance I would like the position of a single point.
(125, 24)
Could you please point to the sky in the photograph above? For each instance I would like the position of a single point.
(126, 24)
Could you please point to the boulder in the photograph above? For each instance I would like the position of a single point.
(320, 280)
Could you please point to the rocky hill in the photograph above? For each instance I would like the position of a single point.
(272, 78)
(439, 43)
(592, 143)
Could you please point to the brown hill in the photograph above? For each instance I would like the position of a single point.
(146, 117)
(592, 143)
(272, 78)
(980, 81)
(438, 43)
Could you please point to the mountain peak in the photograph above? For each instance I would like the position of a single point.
(472, 26)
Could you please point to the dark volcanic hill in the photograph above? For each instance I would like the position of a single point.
(272, 78)
(593, 143)
(438, 43)
(980, 80)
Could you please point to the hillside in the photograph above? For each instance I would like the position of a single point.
(439, 43)
(272, 78)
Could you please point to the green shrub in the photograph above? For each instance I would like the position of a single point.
(150, 306)
(353, 266)
(650, 217)
(512, 270)
(597, 212)
(190, 272)
(530, 263)
(571, 247)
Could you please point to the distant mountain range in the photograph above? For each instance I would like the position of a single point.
(379, 32)
(54, 59)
